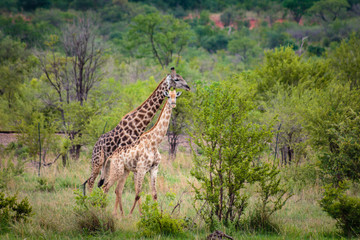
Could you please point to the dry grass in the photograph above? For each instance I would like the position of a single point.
(54, 216)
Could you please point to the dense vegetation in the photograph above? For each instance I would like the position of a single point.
(273, 115)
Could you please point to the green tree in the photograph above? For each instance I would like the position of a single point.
(332, 122)
(346, 61)
(244, 46)
(329, 10)
(9, 5)
(227, 147)
(14, 65)
(282, 81)
(298, 7)
(32, 5)
(179, 120)
(160, 36)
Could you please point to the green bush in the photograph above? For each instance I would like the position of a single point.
(231, 143)
(154, 221)
(345, 209)
(8, 170)
(44, 185)
(273, 196)
(316, 50)
(13, 211)
(90, 213)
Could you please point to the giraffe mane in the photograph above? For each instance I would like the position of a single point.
(158, 86)
(159, 118)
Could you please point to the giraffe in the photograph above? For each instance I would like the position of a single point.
(140, 157)
(132, 125)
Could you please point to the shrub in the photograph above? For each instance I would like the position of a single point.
(90, 213)
(316, 50)
(8, 170)
(44, 185)
(345, 209)
(13, 211)
(153, 221)
(230, 144)
(273, 196)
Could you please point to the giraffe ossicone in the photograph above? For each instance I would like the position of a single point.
(141, 157)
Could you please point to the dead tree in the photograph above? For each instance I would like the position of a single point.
(74, 74)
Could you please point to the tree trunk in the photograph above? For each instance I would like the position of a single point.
(75, 151)
(64, 159)
(172, 140)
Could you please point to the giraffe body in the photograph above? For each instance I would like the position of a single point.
(141, 157)
(132, 125)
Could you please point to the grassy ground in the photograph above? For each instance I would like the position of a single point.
(53, 205)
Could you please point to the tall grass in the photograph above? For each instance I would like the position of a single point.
(54, 216)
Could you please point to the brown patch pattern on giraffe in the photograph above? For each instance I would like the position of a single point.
(140, 157)
(132, 125)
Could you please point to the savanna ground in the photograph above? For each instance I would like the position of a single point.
(53, 205)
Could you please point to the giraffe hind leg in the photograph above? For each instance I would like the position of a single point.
(139, 180)
(118, 191)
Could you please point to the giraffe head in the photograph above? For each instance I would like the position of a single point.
(176, 81)
(172, 95)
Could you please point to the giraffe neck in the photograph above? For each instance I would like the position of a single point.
(159, 130)
(135, 122)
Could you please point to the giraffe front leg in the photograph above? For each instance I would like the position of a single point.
(139, 180)
(115, 172)
(153, 177)
(97, 163)
(118, 192)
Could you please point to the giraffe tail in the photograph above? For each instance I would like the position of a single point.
(84, 186)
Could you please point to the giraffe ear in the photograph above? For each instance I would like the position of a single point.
(166, 93)
(178, 94)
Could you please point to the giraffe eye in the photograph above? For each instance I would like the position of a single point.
(176, 79)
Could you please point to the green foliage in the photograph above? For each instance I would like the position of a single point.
(329, 10)
(276, 37)
(97, 198)
(244, 46)
(298, 8)
(273, 196)
(213, 41)
(332, 122)
(32, 5)
(283, 69)
(44, 185)
(346, 61)
(14, 66)
(316, 50)
(345, 209)
(180, 118)
(29, 133)
(342, 159)
(13, 211)
(90, 214)
(19, 28)
(230, 145)
(8, 170)
(154, 221)
(159, 36)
